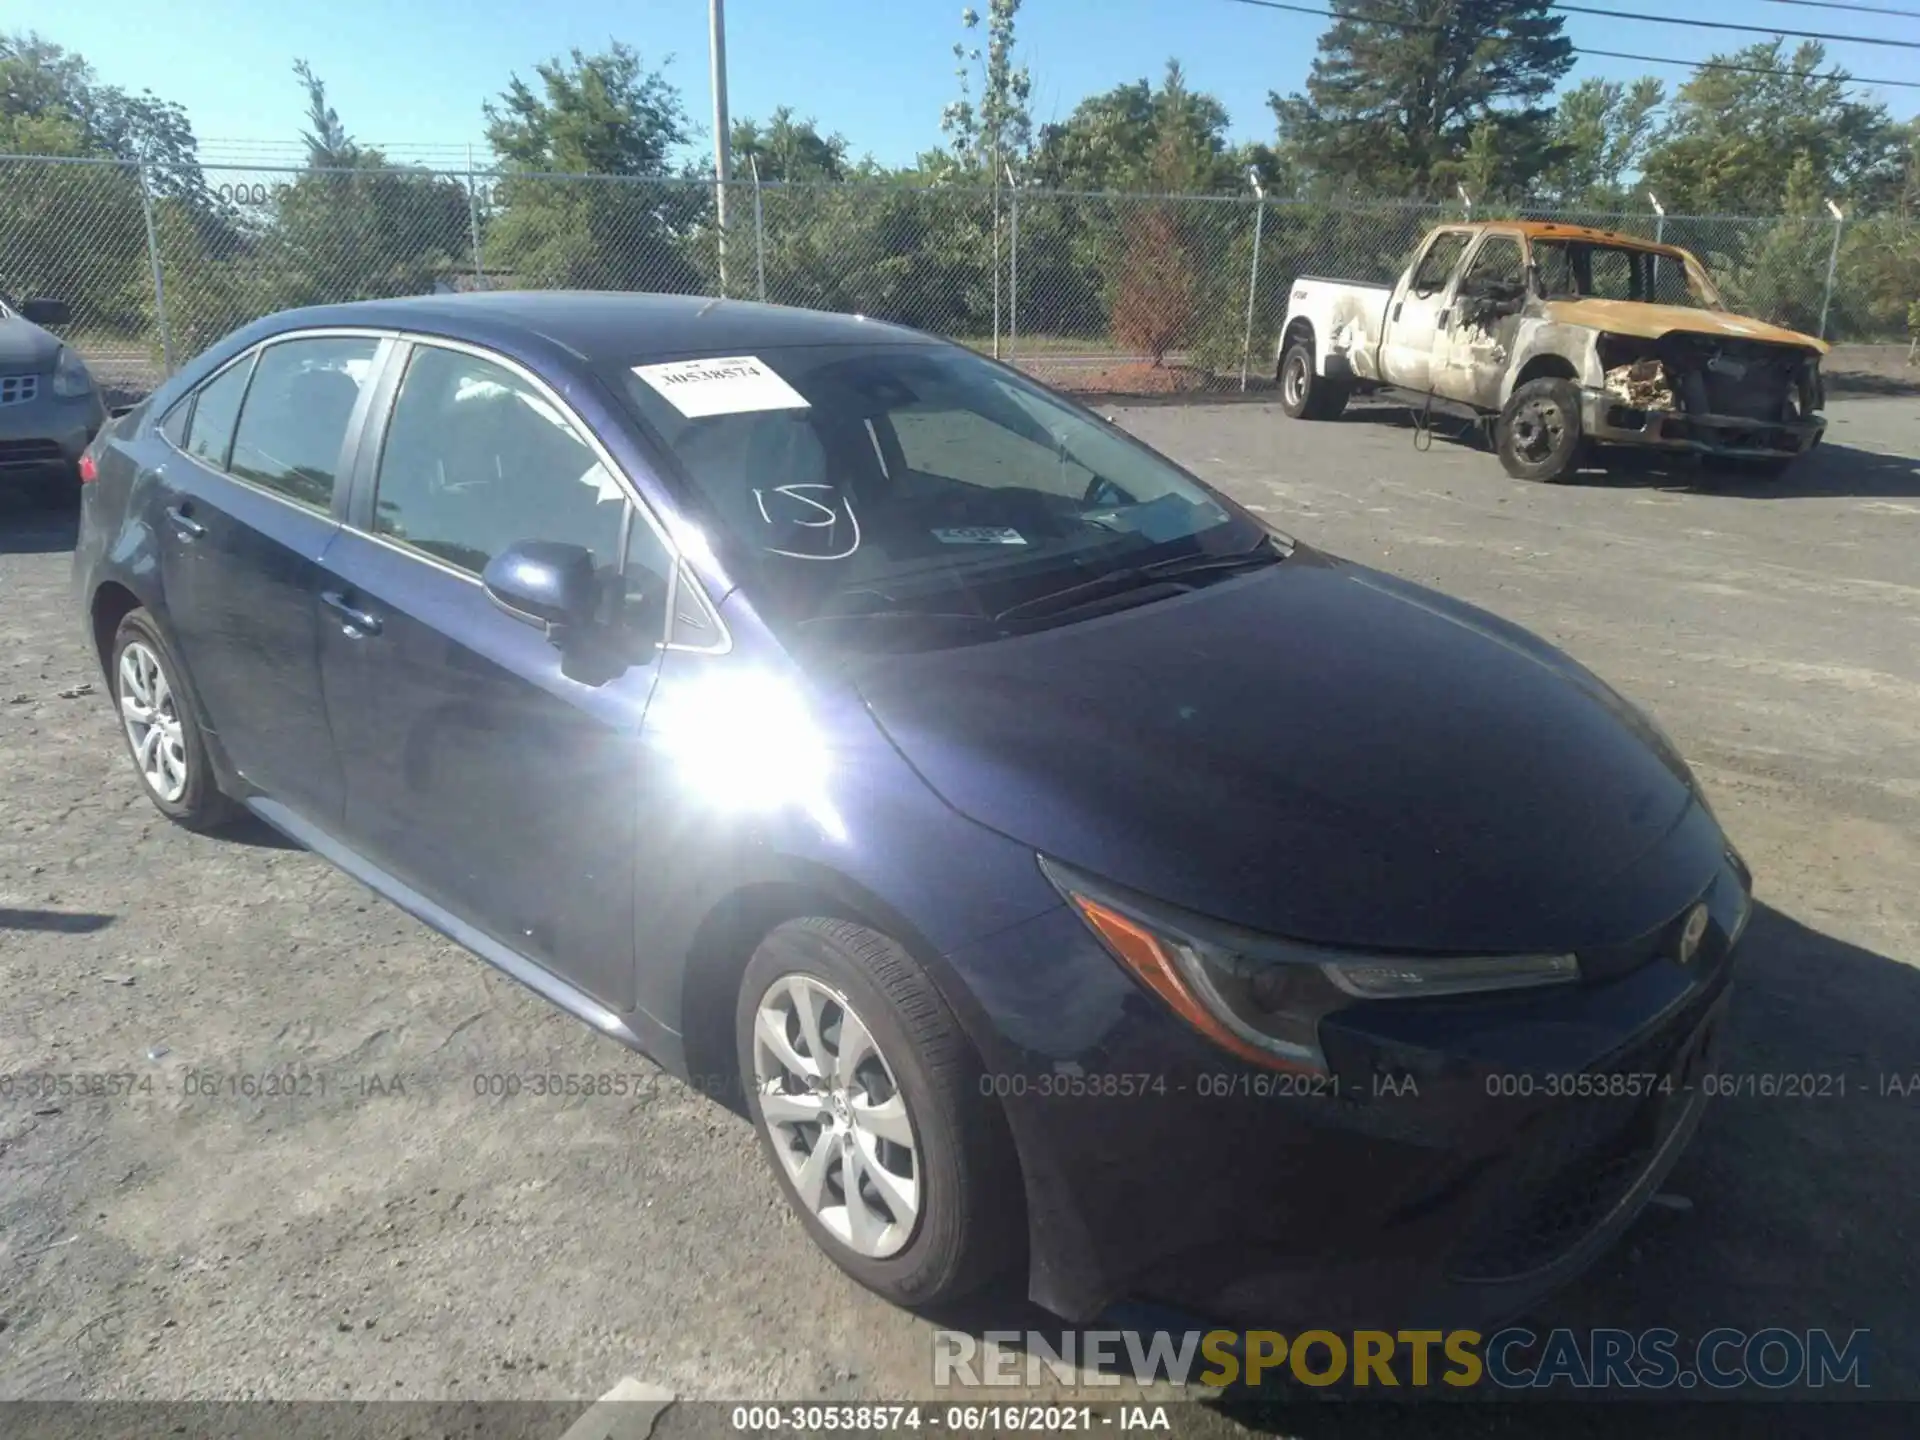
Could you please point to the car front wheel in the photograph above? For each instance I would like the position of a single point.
(1539, 436)
(163, 737)
(869, 1104)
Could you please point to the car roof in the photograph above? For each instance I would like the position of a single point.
(1555, 230)
(610, 325)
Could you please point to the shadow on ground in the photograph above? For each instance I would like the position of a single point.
(30, 525)
(1830, 468)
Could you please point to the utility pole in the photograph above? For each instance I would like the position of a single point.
(722, 140)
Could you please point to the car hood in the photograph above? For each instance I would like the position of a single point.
(1316, 751)
(1637, 317)
(25, 348)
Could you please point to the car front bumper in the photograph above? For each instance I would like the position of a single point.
(1606, 418)
(1463, 1158)
(47, 433)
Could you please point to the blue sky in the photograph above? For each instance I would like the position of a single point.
(878, 71)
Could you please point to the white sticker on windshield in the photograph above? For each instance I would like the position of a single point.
(728, 385)
(980, 535)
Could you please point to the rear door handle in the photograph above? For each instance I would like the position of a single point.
(191, 528)
(358, 622)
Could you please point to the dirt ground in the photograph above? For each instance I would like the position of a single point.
(399, 1233)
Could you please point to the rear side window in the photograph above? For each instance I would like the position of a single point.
(174, 427)
(476, 459)
(296, 415)
(211, 430)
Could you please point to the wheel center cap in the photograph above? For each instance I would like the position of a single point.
(842, 1111)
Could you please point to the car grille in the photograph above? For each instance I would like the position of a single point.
(29, 452)
(1565, 1180)
(18, 389)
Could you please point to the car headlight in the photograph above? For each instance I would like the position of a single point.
(1262, 998)
(70, 375)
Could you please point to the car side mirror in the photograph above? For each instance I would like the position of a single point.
(46, 312)
(545, 583)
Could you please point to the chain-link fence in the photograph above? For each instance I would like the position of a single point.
(158, 263)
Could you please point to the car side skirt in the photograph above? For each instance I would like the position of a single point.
(634, 1030)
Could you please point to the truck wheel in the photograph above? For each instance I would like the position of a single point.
(1305, 395)
(1539, 437)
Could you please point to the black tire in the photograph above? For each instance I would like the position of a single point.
(200, 805)
(1539, 436)
(1305, 395)
(969, 1229)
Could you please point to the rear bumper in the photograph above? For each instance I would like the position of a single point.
(1606, 418)
(47, 434)
(1464, 1159)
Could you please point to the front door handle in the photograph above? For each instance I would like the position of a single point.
(189, 527)
(359, 623)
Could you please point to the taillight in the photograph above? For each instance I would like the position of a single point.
(89, 471)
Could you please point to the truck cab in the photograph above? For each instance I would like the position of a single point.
(1558, 337)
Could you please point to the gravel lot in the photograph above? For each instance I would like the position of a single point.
(401, 1236)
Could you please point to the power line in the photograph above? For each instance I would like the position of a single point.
(1844, 5)
(1731, 25)
(1584, 50)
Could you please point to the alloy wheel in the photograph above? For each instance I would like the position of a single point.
(148, 710)
(1293, 385)
(836, 1116)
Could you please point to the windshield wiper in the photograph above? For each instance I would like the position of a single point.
(1165, 573)
(1261, 552)
(948, 617)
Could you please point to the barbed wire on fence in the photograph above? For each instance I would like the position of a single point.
(158, 264)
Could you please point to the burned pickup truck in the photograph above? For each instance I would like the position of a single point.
(1558, 337)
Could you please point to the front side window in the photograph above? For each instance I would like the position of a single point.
(476, 459)
(904, 481)
(1437, 264)
(210, 432)
(296, 415)
(1495, 269)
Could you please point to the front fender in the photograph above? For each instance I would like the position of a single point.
(1537, 336)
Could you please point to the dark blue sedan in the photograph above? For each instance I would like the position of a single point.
(1068, 875)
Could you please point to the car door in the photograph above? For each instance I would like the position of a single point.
(1413, 317)
(246, 501)
(1469, 360)
(486, 768)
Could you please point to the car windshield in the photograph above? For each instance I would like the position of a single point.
(1585, 269)
(908, 482)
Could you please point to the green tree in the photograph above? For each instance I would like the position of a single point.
(1601, 134)
(77, 232)
(351, 226)
(999, 130)
(1733, 138)
(1399, 88)
(786, 149)
(599, 116)
(1120, 139)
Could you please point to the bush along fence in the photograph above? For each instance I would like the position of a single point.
(1177, 290)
